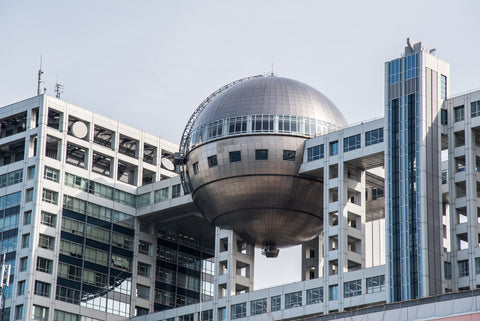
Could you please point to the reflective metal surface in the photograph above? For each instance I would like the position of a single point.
(264, 201)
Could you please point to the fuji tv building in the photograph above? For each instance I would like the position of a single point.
(102, 221)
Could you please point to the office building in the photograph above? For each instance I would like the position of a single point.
(97, 226)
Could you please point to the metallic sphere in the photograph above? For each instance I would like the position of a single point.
(244, 152)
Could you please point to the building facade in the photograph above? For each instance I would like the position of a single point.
(95, 223)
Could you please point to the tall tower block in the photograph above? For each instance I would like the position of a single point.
(415, 87)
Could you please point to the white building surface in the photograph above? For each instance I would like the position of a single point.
(95, 224)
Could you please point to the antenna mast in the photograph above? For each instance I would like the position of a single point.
(58, 90)
(40, 72)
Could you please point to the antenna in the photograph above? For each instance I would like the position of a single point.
(272, 73)
(40, 72)
(58, 90)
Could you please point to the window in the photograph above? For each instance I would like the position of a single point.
(458, 113)
(258, 307)
(144, 247)
(144, 269)
(444, 116)
(46, 242)
(19, 312)
(334, 148)
(187, 317)
(444, 177)
(261, 154)
(477, 265)
(42, 289)
(27, 217)
(475, 108)
(376, 284)
(314, 295)
(235, 156)
(67, 295)
(23, 263)
(31, 173)
(447, 270)
(44, 265)
(212, 161)
(146, 227)
(25, 240)
(222, 314)
(352, 288)
(289, 155)
(21, 287)
(239, 310)
(29, 195)
(73, 226)
(293, 300)
(71, 249)
(315, 152)
(140, 311)
(443, 89)
(196, 168)
(39, 313)
(50, 196)
(52, 174)
(463, 268)
(207, 315)
(143, 292)
(374, 137)
(276, 303)
(351, 143)
(161, 195)
(333, 292)
(176, 191)
(48, 219)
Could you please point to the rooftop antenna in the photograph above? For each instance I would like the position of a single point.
(58, 90)
(272, 73)
(40, 72)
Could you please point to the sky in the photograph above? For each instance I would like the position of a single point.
(149, 64)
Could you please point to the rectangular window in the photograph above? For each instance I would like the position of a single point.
(46, 242)
(21, 287)
(447, 270)
(276, 302)
(140, 311)
(23, 263)
(351, 143)
(477, 265)
(443, 89)
(333, 292)
(463, 268)
(70, 272)
(48, 219)
(144, 269)
(44, 265)
(315, 152)
(52, 174)
(376, 284)
(261, 154)
(27, 217)
(293, 300)
(19, 312)
(143, 292)
(374, 137)
(235, 156)
(31, 172)
(196, 168)
(239, 310)
(222, 314)
(39, 313)
(444, 117)
(258, 307)
(475, 108)
(459, 113)
(212, 161)
(315, 295)
(29, 195)
(25, 240)
(66, 294)
(161, 195)
(207, 315)
(334, 148)
(289, 155)
(352, 288)
(176, 191)
(42, 289)
(144, 247)
(50, 196)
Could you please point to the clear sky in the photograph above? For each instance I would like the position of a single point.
(149, 64)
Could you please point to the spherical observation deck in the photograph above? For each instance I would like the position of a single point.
(242, 152)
